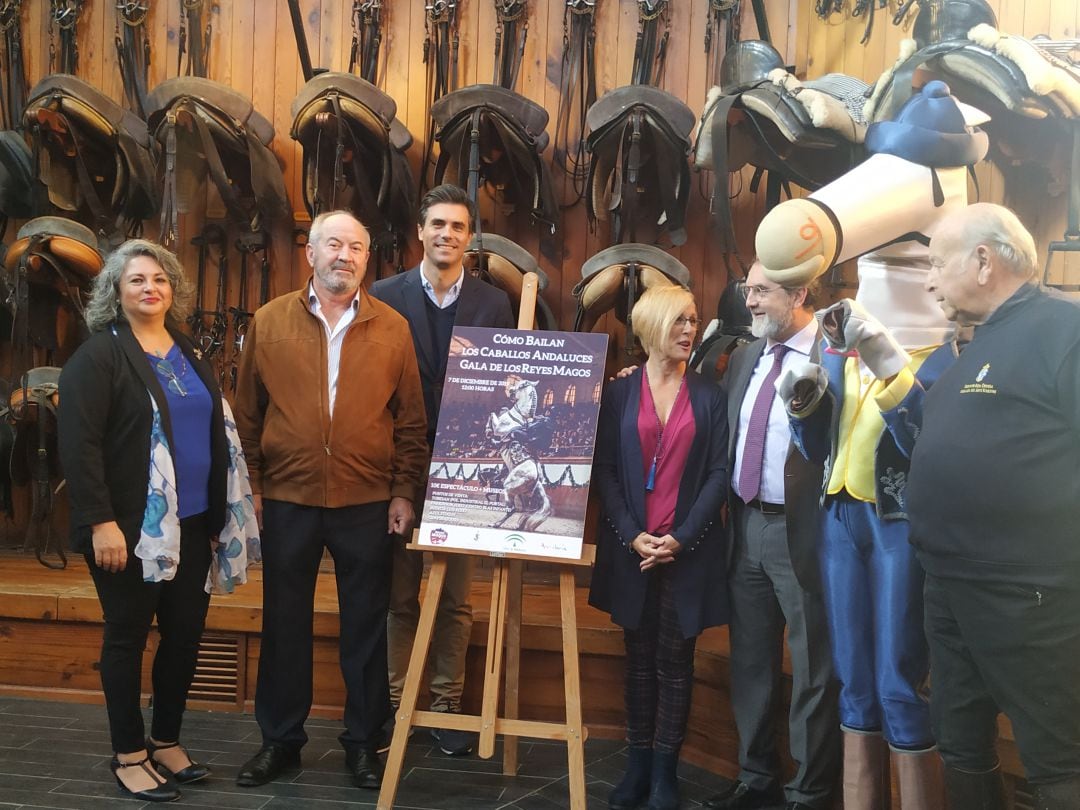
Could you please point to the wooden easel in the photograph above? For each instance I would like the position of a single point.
(504, 631)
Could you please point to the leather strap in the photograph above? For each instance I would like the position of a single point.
(133, 53)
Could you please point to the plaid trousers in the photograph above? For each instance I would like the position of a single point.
(659, 671)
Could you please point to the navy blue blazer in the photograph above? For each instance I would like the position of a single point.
(700, 568)
(480, 304)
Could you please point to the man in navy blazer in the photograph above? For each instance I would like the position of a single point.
(434, 297)
(774, 576)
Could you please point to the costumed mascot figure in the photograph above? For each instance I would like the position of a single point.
(860, 411)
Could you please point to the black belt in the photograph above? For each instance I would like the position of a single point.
(765, 507)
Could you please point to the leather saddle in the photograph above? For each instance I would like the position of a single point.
(727, 332)
(49, 270)
(982, 72)
(639, 139)
(355, 154)
(756, 118)
(616, 277)
(206, 129)
(33, 461)
(16, 176)
(504, 263)
(494, 137)
(94, 158)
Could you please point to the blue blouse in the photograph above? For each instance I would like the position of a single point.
(190, 411)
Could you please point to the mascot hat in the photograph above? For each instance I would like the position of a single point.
(930, 130)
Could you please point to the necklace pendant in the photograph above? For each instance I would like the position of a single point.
(650, 482)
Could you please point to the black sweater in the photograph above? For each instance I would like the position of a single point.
(994, 491)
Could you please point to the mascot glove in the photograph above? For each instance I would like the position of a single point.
(849, 327)
(801, 387)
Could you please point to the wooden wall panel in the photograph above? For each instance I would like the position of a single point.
(252, 50)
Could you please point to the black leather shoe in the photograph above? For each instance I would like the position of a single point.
(192, 773)
(267, 765)
(799, 806)
(166, 790)
(743, 797)
(366, 769)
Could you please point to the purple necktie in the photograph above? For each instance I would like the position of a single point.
(754, 449)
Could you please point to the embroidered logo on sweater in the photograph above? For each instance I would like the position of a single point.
(980, 387)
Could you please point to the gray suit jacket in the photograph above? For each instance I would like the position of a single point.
(802, 478)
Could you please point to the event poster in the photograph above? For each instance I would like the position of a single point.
(512, 460)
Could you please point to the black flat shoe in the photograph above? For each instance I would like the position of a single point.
(166, 791)
(192, 773)
(267, 765)
(366, 769)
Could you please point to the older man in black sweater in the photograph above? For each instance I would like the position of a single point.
(994, 501)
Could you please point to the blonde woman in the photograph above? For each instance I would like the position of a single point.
(661, 473)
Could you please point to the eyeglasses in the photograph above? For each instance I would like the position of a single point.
(165, 368)
(746, 290)
(682, 321)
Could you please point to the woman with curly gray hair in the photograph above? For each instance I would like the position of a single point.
(143, 442)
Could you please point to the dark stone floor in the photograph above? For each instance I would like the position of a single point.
(56, 755)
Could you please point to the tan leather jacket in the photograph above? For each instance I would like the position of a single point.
(373, 449)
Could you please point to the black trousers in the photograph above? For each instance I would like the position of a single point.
(293, 540)
(129, 605)
(1005, 647)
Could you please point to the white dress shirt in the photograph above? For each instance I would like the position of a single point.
(452, 294)
(334, 338)
(778, 432)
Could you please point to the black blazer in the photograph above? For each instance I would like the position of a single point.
(802, 478)
(480, 304)
(104, 423)
(700, 568)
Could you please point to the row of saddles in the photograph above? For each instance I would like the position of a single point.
(78, 152)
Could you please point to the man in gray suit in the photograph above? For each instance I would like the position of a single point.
(775, 579)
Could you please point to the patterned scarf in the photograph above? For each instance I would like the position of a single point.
(159, 541)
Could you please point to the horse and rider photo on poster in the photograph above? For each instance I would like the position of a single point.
(512, 460)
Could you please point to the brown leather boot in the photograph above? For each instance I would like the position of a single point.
(866, 770)
(921, 777)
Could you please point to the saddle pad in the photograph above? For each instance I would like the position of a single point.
(207, 93)
(507, 263)
(645, 256)
(346, 84)
(71, 242)
(92, 107)
(523, 112)
(615, 104)
(16, 177)
(511, 252)
(41, 384)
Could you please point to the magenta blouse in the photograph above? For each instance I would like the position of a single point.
(674, 442)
